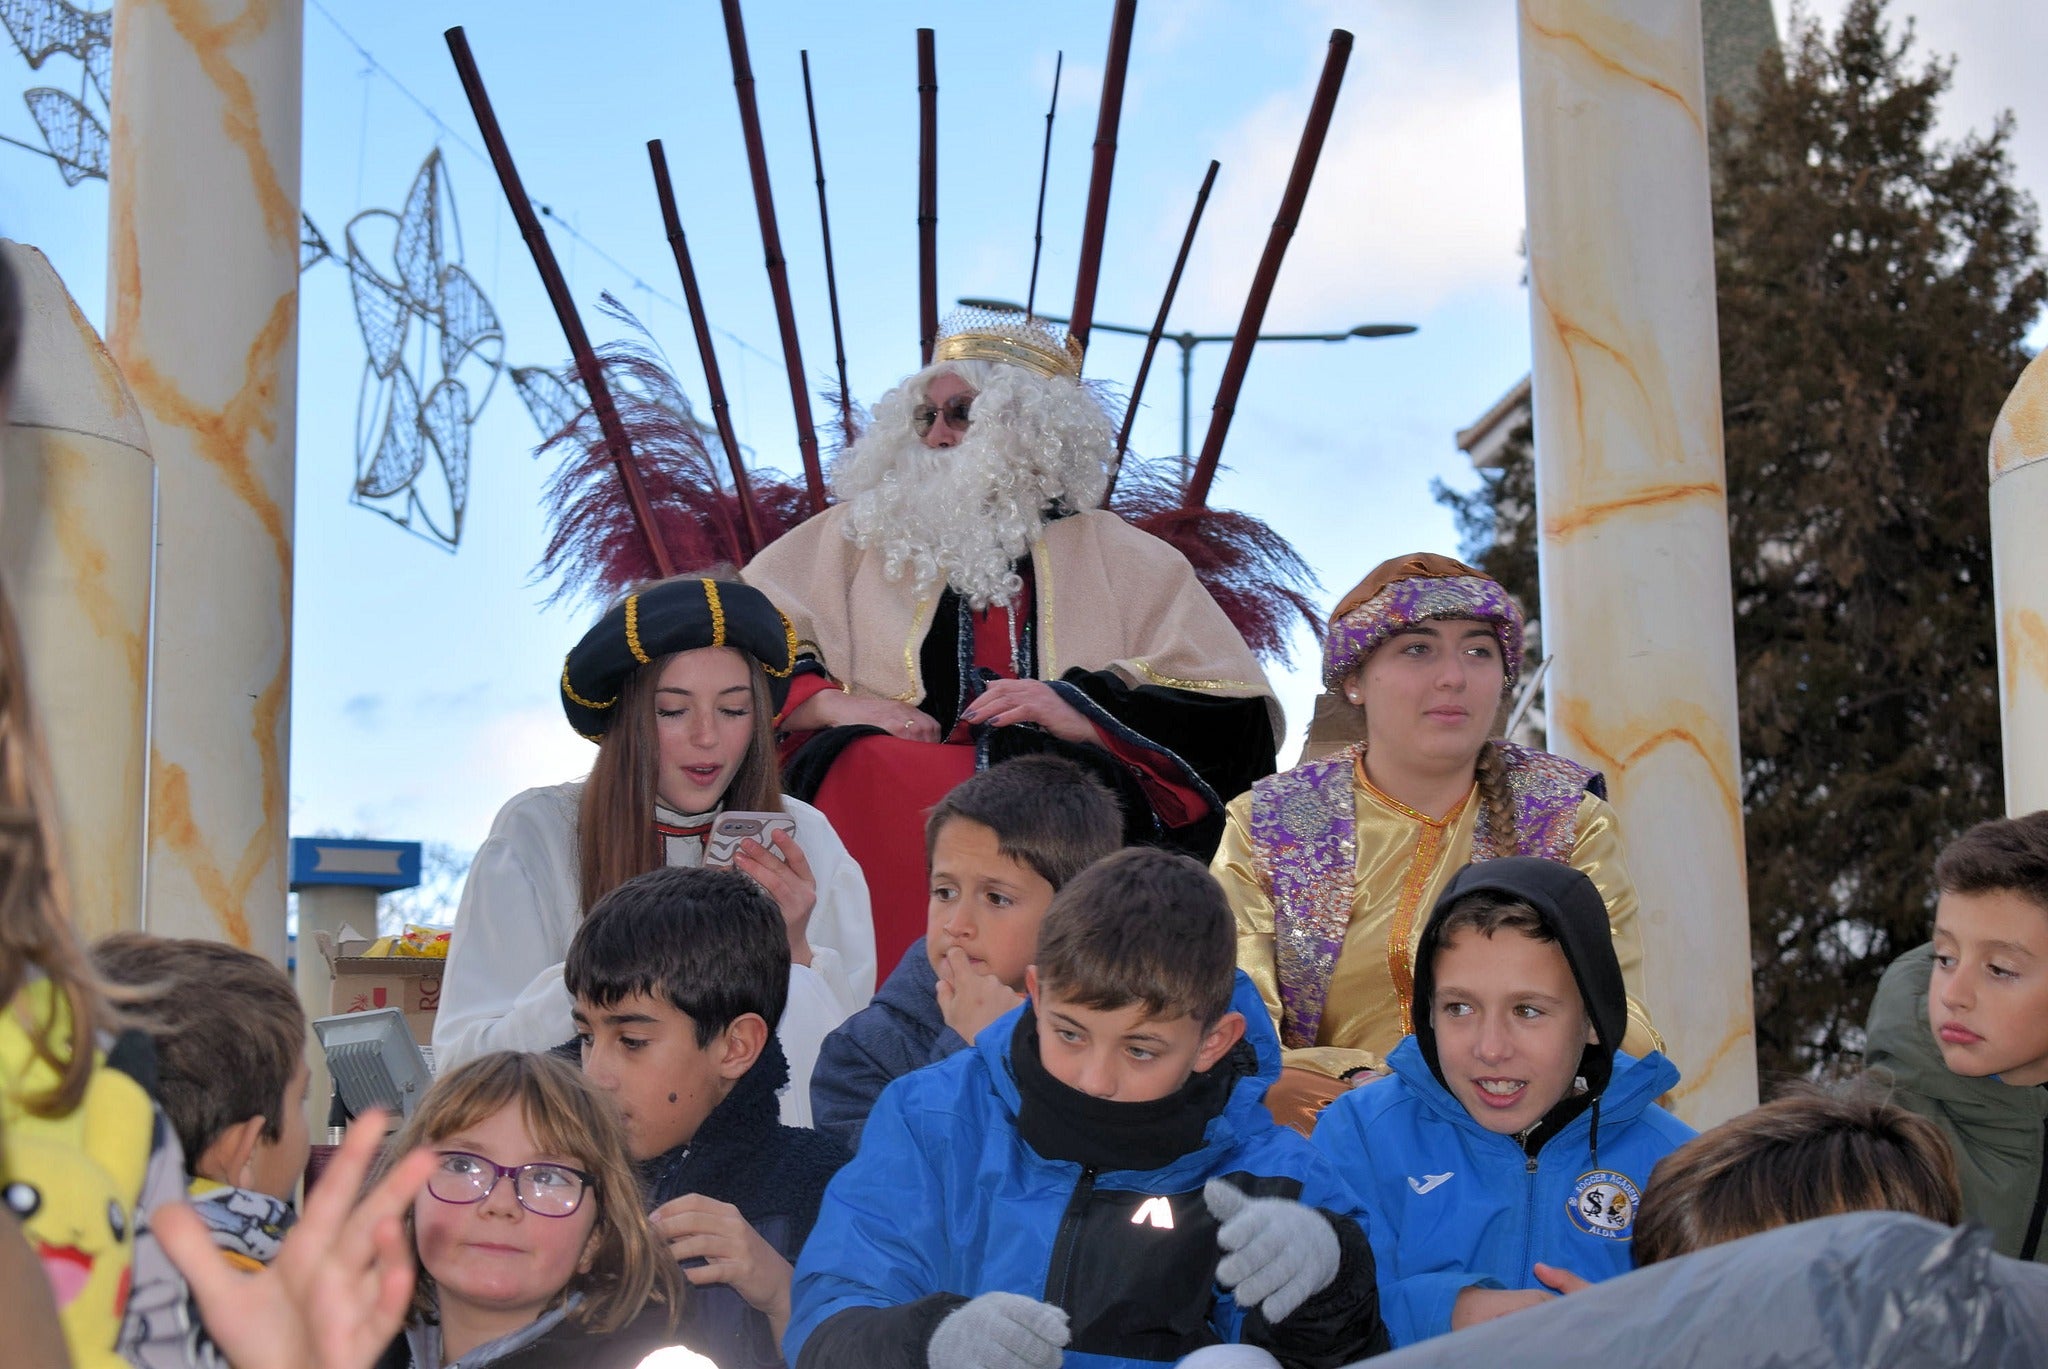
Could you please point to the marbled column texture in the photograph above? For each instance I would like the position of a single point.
(203, 305)
(75, 542)
(1631, 498)
(2019, 562)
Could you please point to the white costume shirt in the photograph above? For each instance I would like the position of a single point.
(503, 988)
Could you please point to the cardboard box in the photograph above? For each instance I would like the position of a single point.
(412, 984)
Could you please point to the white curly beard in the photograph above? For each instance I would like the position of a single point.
(962, 516)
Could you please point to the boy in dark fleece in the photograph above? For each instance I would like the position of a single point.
(997, 848)
(1960, 1026)
(1506, 1155)
(679, 977)
(1096, 1181)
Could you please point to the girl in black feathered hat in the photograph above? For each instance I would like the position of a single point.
(679, 684)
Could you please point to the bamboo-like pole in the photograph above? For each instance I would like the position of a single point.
(1044, 172)
(1187, 242)
(1320, 111)
(1096, 220)
(771, 248)
(831, 281)
(714, 382)
(927, 194)
(557, 288)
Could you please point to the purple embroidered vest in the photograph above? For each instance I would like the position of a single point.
(1304, 832)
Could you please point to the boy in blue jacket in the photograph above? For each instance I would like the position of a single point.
(996, 849)
(1096, 1181)
(1507, 1153)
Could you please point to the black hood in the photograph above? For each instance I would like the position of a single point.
(1571, 907)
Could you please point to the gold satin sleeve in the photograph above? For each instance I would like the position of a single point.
(1252, 905)
(1599, 855)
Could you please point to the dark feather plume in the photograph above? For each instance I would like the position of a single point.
(1252, 572)
(595, 549)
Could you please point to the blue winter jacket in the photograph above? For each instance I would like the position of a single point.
(945, 1201)
(1451, 1205)
(901, 1031)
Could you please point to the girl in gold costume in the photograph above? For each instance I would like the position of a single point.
(1332, 866)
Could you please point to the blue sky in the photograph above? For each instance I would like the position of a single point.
(423, 682)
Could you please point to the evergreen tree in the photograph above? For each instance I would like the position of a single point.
(1874, 288)
(1497, 521)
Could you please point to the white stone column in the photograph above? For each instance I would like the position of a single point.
(1631, 497)
(203, 229)
(75, 545)
(2019, 563)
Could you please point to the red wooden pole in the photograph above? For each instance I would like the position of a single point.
(1044, 172)
(714, 383)
(1096, 220)
(831, 281)
(927, 194)
(771, 247)
(1320, 111)
(1187, 242)
(557, 287)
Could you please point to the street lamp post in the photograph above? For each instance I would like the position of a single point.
(1187, 342)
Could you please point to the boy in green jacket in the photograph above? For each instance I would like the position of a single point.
(1961, 1025)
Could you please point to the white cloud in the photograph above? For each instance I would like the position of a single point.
(1418, 192)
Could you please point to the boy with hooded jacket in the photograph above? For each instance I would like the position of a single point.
(1096, 1181)
(1959, 1027)
(1511, 1145)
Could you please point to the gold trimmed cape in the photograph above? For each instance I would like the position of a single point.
(1106, 596)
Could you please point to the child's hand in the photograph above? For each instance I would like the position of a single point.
(789, 882)
(696, 1227)
(1277, 1253)
(1475, 1305)
(971, 999)
(1000, 1331)
(1563, 1280)
(338, 1290)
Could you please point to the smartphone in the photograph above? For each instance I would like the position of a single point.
(733, 828)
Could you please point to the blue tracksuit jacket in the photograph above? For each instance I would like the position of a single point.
(1450, 1205)
(945, 1201)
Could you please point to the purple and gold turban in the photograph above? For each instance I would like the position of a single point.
(1413, 589)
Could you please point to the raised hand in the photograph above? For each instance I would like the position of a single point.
(338, 1290)
(789, 881)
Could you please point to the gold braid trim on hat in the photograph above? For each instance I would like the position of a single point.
(717, 612)
(789, 644)
(633, 631)
(578, 699)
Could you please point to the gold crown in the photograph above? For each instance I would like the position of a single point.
(1011, 338)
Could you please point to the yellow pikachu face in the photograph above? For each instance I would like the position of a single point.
(73, 1183)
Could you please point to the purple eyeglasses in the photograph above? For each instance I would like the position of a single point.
(543, 1188)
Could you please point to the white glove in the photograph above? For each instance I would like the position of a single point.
(1000, 1331)
(1277, 1254)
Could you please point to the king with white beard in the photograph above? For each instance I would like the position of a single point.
(966, 600)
